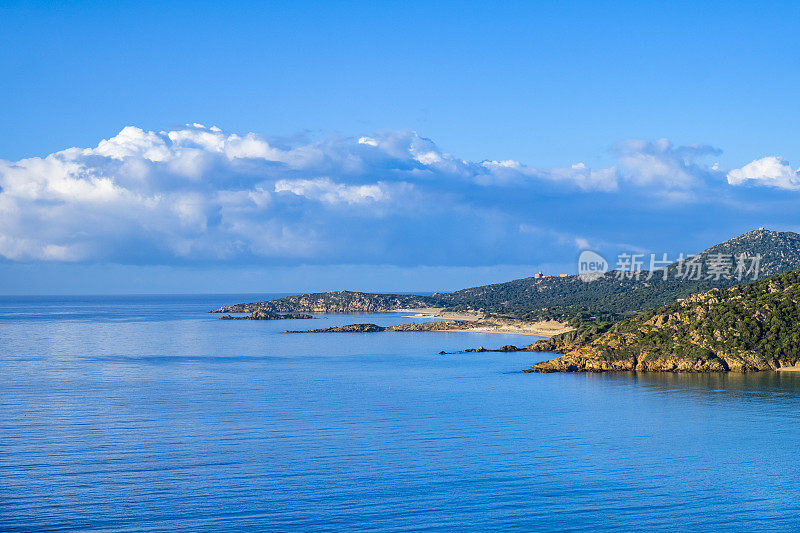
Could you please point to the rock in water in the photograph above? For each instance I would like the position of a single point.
(261, 314)
(350, 328)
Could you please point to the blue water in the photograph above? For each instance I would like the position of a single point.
(149, 414)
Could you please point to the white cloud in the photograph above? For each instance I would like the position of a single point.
(510, 172)
(661, 165)
(132, 142)
(767, 171)
(325, 190)
(201, 194)
(604, 179)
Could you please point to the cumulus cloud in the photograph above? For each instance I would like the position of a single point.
(325, 190)
(510, 172)
(767, 171)
(198, 193)
(659, 163)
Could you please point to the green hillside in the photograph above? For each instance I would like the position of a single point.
(562, 298)
(754, 326)
(336, 302)
(610, 298)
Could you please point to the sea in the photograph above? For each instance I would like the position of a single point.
(147, 413)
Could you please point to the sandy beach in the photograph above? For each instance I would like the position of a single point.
(543, 328)
(438, 312)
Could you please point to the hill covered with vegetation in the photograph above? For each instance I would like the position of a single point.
(612, 297)
(616, 296)
(749, 327)
(336, 302)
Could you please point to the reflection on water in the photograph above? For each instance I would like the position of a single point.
(764, 385)
(150, 414)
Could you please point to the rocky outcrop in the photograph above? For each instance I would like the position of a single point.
(508, 348)
(262, 314)
(504, 348)
(337, 302)
(576, 362)
(746, 328)
(350, 328)
(443, 325)
(614, 351)
(440, 325)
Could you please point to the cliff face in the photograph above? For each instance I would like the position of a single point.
(745, 328)
(335, 302)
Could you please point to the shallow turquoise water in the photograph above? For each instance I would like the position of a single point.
(147, 413)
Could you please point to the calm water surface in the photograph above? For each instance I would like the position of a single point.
(149, 414)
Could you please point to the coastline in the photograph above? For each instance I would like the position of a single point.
(438, 312)
(542, 328)
(545, 328)
(456, 323)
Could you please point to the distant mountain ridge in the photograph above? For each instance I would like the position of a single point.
(609, 298)
(779, 250)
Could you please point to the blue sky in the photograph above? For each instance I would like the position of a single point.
(385, 146)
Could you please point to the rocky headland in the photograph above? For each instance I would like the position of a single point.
(337, 302)
(443, 325)
(746, 328)
(262, 314)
